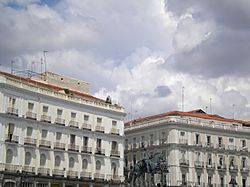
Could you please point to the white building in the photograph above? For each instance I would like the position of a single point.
(53, 133)
(201, 149)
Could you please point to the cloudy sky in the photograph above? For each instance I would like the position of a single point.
(141, 53)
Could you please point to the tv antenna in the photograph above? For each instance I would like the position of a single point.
(182, 98)
(211, 105)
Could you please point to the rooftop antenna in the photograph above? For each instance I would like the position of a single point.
(206, 108)
(211, 106)
(45, 62)
(182, 98)
(233, 110)
(12, 66)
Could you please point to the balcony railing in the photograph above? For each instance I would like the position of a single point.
(30, 141)
(198, 144)
(43, 171)
(198, 164)
(99, 128)
(11, 138)
(44, 143)
(244, 149)
(163, 141)
(114, 131)
(46, 118)
(233, 168)
(184, 163)
(72, 174)
(210, 166)
(86, 126)
(11, 167)
(220, 146)
(12, 111)
(99, 176)
(116, 178)
(31, 115)
(60, 121)
(115, 153)
(86, 175)
(73, 147)
(209, 145)
(221, 167)
(58, 145)
(86, 149)
(244, 169)
(232, 147)
(100, 151)
(58, 172)
(183, 141)
(28, 169)
(74, 124)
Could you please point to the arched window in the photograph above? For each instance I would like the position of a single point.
(71, 162)
(98, 165)
(113, 169)
(84, 164)
(57, 161)
(9, 156)
(27, 158)
(42, 160)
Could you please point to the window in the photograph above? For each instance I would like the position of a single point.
(12, 102)
(183, 154)
(85, 141)
(58, 136)
(30, 106)
(231, 140)
(57, 161)
(73, 115)
(45, 109)
(9, 156)
(244, 182)
(243, 162)
(114, 145)
(183, 176)
(220, 160)
(142, 141)
(208, 140)
(98, 166)
(222, 181)
(231, 161)
(182, 133)
(59, 112)
(42, 160)
(72, 139)
(198, 156)
(134, 142)
(113, 169)
(29, 131)
(71, 162)
(199, 180)
(243, 143)
(44, 133)
(209, 157)
(134, 159)
(99, 121)
(11, 127)
(84, 164)
(151, 139)
(197, 139)
(126, 161)
(98, 143)
(114, 124)
(220, 141)
(209, 179)
(27, 158)
(86, 118)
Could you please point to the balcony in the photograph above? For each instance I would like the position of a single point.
(99, 128)
(233, 168)
(58, 172)
(86, 126)
(28, 169)
(243, 149)
(11, 138)
(183, 141)
(58, 145)
(220, 146)
(210, 166)
(199, 164)
(184, 163)
(31, 115)
(221, 167)
(244, 169)
(100, 151)
(30, 141)
(74, 124)
(45, 118)
(44, 143)
(73, 147)
(43, 171)
(116, 178)
(198, 144)
(85, 175)
(11, 167)
(72, 174)
(232, 147)
(114, 131)
(99, 176)
(12, 111)
(209, 145)
(163, 141)
(86, 149)
(115, 153)
(60, 121)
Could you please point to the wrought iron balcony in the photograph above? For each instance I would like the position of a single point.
(12, 111)
(198, 164)
(99, 128)
(233, 168)
(31, 115)
(209, 145)
(86, 149)
(72, 174)
(220, 146)
(100, 151)
(232, 147)
(74, 124)
(60, 121)
(222, 167)
(184, 162)
(86, 175)
(99, 176)
(11, 138)
(114, 131)
(30, 141)
(58, 172)
(58, 145)
(44, 143)
(210, 166)
(86, 126)
(115, 153)
(43, 171)
(46, 118)
(183, 141)
(73, 147)
(28, 169)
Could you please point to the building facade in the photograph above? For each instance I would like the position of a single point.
(201, 149)
(58, 136)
